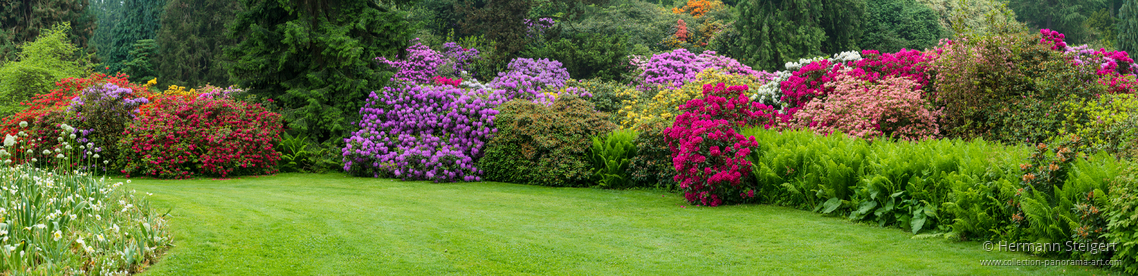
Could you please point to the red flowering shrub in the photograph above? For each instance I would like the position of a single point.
(180, 138)
(708, 153)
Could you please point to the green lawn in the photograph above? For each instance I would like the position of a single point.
(313, 224)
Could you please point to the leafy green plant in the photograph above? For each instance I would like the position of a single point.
(543, 145)
(652, 166)
(921, 187)
(296, 156)
(611, 156)
(1122, 218)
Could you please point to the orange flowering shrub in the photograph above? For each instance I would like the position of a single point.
(698, 8)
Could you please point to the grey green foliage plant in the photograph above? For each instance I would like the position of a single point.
(611, 155)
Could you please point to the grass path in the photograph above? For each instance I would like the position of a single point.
(308, 224)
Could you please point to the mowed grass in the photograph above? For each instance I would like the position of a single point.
(332, 224)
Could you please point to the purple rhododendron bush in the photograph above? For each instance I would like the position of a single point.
(422, 132)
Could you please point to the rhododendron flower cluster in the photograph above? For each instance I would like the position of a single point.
(447, 81)
(458, 57)
(1116, 67)
(670, 70)
(182, 138)
(1053, 38)
(891, 107)
(419, 132)
(525, 78)
(810, 81)
(420, 64)
(770, 93)
(708, 154)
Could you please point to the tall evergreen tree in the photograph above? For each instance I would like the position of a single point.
(773, 32)
(23, 21)
(192, 40)
(1128, 26)
(891, 25)
(126, 22)
(316, 58)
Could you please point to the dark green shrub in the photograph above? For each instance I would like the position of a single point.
(611, 155)
(586, 56)
(544, 145)
(652, 167)
(608, 97)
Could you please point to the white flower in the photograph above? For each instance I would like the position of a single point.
(30, 151)
(89, 249)
(100, 238)
(81, 241)
(69, 147)
(60, 139)
(22, 134)
(106, 162)
(73, 136)
(9, 140)
(57, 235)
(73, 216)
(3, 232)
(3, 153)
(40, 226)
(90, 145)
(23, 123)
(46, 152)
(59, 155)
(98, 217)
(96, 156)
(34, 160)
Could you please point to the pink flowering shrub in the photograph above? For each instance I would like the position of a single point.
(183, 138)
(891, 107)
(1115, 68)
(709, 155)
(811, 80)
(447, 81)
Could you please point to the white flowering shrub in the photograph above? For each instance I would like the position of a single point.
(771, 93)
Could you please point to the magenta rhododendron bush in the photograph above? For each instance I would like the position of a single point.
(708, 153)
(182, 138)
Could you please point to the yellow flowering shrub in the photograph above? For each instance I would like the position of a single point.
(180, 91)
(1109, 123)
(665, 105)
(150, 84)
